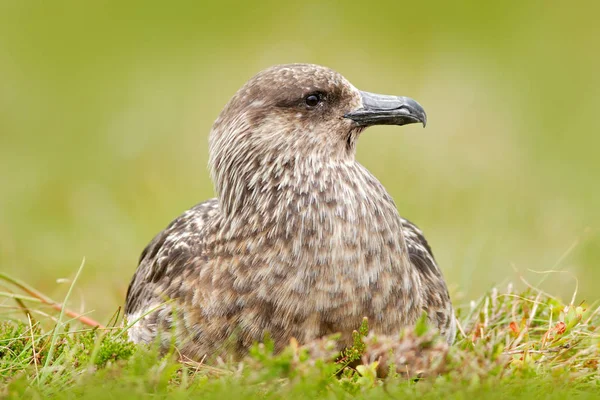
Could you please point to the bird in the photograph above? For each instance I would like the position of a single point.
(301, 241)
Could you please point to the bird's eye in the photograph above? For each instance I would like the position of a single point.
(312, 100)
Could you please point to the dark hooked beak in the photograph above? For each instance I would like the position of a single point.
(380, 109)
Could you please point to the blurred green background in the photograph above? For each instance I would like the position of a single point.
(106, 106)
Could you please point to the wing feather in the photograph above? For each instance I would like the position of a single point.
(435, 292)
(168, 254)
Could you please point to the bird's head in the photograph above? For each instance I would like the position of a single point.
(295, 113)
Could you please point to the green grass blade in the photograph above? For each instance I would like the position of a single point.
(45, 369)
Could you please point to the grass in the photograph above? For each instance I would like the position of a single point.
(509, 345)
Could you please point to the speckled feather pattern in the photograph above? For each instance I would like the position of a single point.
(301, 241)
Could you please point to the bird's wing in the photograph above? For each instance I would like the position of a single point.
(164, 262)
(435, 292)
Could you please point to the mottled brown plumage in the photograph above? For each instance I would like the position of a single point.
(301, 241)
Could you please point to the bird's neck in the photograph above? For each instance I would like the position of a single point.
(281, 187)
(308, 203)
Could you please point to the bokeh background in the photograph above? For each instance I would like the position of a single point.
(106, 106)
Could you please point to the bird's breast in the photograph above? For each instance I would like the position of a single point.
(319, 260)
